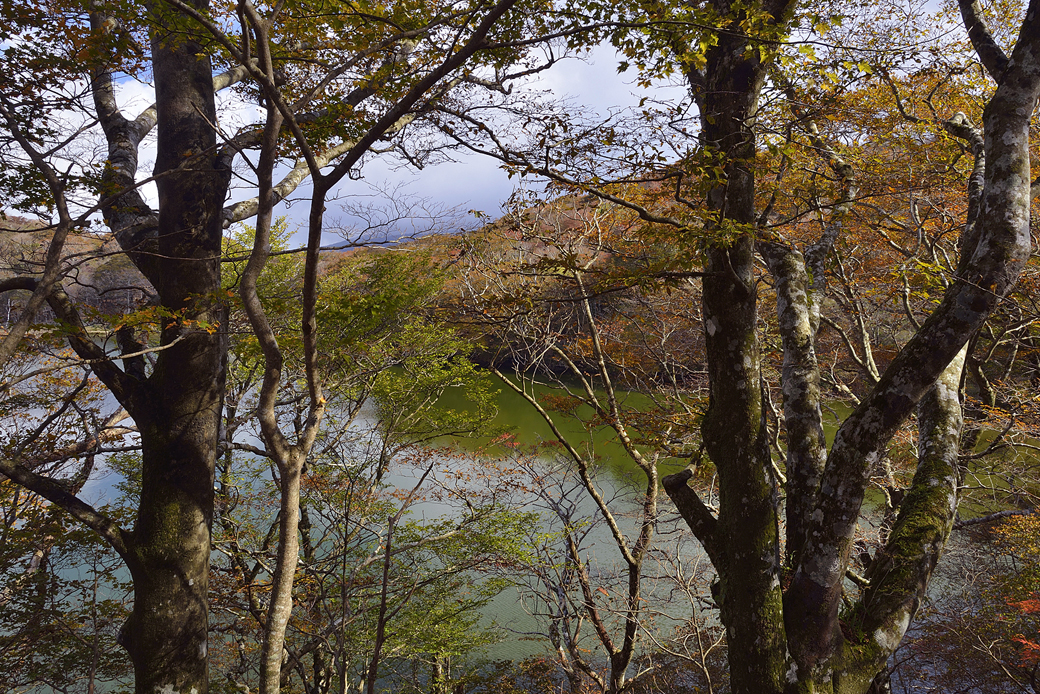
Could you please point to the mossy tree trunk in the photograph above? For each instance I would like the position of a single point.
(744, 541)
(177, 407)
(802, 646)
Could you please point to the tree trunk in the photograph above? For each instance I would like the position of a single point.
(994, 251)
(178, 408)
(826, 654)
(746, 539)
(281, 603)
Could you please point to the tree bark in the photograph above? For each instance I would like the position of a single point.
(803, 416)
(743, 541)
(746, 537)
(178, 408)
(993, 261)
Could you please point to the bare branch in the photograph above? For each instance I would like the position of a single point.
(55, 492)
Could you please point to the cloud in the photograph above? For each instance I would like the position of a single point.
(589, 86)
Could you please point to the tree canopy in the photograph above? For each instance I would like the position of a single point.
(864, 173)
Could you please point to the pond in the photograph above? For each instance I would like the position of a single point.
(525, 429)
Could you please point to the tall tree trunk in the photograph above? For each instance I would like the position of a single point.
(178, 409)
(746, 539)
(994, 250)
(742, 541)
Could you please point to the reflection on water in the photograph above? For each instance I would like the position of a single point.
(675, 574)
(523, 610)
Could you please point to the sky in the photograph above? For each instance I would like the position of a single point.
(477, 183)
(447, 191)
(592, 85)
(471, 182)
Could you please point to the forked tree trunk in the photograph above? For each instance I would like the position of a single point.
(801, 646)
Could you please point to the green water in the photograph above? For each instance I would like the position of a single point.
(525, 426)
(519, 424)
